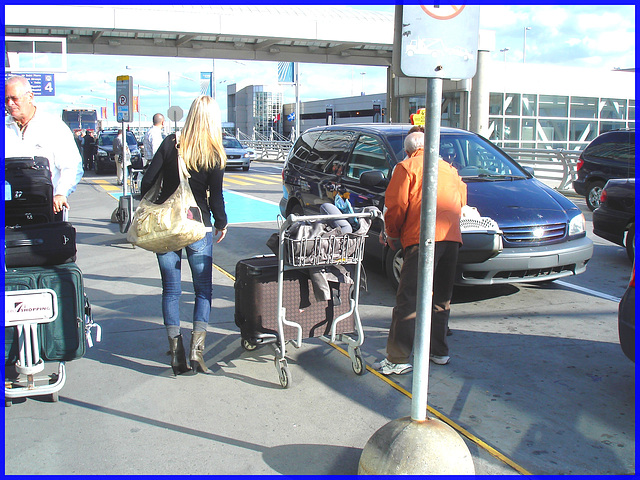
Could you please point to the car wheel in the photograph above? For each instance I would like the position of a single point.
(593, 195)
(629, 244)
(245, 169)
(393, 265)
(297, 210)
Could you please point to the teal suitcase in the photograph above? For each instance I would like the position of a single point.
(64, 338)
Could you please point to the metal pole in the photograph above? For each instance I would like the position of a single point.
(213, 78)
(139, 112)
(297, 89)
(124, 160)
(427, 248)
(169, 85)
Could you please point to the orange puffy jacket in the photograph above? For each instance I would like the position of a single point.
(403, 201)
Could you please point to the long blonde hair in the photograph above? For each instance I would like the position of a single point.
(200, 142)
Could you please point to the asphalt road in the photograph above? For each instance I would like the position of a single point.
(537, 382)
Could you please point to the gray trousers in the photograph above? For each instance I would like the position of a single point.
(403, 320)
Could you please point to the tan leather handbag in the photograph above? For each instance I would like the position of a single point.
(171, 225)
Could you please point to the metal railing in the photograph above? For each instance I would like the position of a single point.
(555, 167)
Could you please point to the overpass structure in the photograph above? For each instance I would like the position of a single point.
(306, 33)
(293, 33)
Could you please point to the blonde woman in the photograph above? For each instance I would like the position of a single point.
(200, 145)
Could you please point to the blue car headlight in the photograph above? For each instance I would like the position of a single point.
(577, 225)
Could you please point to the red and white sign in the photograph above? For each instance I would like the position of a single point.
(442, 12)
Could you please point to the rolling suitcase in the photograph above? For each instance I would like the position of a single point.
(64, 338)
(31, 191)
(256, 302)
(40, 244)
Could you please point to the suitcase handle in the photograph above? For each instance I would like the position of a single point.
(24, 243)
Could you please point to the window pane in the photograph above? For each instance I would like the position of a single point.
(495, 128)
(511, 128)
(582, 131)
(584, 107)
(529, 106)
(552, 130)
(495, 104)
(368, 154)
(528, 130)
(512, 104)
(553, 106)
(613, 108)
(332, 146)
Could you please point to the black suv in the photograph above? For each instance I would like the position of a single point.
(105, 161)
(544, 233)
(611, 155)
(615, 218)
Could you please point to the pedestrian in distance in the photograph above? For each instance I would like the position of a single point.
(200, 146)
(89, 149)
(153, 138)
(403, 202)
(29, 132)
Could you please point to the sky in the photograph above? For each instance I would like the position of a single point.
(572, 35)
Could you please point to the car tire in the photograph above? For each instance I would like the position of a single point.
(296, 209)
(629, 242)
(593, 195)
(245, 169)
(393, 265)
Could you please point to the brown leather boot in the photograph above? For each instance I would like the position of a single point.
(178, 357)
(197, 347)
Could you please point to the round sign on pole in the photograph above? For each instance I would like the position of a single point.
(175, 113)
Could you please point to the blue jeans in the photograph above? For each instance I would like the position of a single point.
(200, 257)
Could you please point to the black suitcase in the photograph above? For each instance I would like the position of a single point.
(41, 244)
(256, 303)
(31, 191)
(64, 338)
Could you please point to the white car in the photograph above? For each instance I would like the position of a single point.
(237, 155)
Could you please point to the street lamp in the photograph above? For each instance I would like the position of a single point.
(524, 45)
(504, 51)
(363, 74)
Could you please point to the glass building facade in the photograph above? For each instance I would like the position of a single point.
(528, 120)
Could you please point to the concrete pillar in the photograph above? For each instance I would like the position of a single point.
(479, 109)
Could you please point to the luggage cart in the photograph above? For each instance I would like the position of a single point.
(43, 308)
(304, 253)
(25, 310)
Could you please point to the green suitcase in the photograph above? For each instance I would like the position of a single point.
(64, 338)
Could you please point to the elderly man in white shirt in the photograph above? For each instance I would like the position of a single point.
(31, 132)
(153, 138)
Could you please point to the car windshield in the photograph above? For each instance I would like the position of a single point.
(473, 157)
(231, 142)
(106, 139)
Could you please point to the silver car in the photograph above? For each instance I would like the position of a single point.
(237, 155)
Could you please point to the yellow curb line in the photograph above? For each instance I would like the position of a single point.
(451, 423)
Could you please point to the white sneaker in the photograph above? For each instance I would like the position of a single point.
(385, 367)
(440, 359)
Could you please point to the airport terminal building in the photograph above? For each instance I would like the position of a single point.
(519, 105)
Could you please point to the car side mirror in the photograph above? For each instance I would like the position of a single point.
(373, 178)
(529, 170)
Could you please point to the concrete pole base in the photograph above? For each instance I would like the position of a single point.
(408, 447)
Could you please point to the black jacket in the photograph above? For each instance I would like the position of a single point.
(165, 163)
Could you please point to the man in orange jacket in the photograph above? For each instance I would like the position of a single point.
(403, 203)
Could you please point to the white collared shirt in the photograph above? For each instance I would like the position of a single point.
(47, 136)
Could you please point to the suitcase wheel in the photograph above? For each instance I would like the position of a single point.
(358, 364)
(283, 372)
(247, 345)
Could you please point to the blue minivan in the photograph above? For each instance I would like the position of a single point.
(544, 235)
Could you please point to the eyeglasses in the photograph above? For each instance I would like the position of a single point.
(14, 98)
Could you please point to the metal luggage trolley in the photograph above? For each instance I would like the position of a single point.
(344, 249)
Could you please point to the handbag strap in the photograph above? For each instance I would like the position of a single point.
(182, 166)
